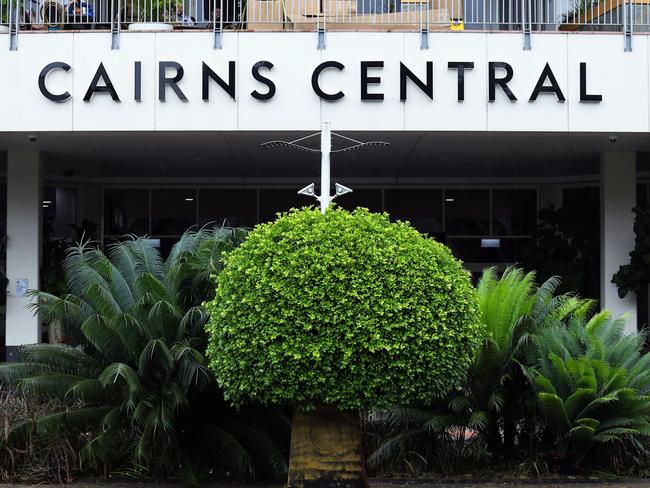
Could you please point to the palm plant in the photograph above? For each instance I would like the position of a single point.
(592, 384)
(139, 365)
(496, 400)
(513, 308)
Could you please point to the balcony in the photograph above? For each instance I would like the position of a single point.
(326, 15)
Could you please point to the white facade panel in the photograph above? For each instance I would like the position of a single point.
(546, 113)
(220, 112)
(445, 112)
(621, 78)
(350, 112)
(23, 107)
(294, 104)
(101, 113)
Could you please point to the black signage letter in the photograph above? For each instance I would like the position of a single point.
(208, 75)
(137, 82)
(107, 87)
(405, 73)
(584, 96)
(368, 80)
(264, 80)
(43, 75)
(316, 87)
(547, 73)
(163, 81)
(493, 81)
(460, 66)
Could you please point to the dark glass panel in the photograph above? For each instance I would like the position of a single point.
(3, 211)
(172, 211)
(467, 212)
(232, 208)
(370, 199)
(49, 203)
(586, 197)
(422, 208)
(126, 211)
(509, 250)
(274, 201)
(166, 244)
(514, 212)
(642, 195)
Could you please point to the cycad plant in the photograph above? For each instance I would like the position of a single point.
(513, 308)
(592, 384)
(138, 371)
(496, 402)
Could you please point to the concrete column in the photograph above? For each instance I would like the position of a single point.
(617, 198)
(24, 223)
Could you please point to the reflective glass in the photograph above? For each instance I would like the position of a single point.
(172, 211)
(467, 212)
(370, 199)
(232, 208)
(126, 211)
(514, 212)
(422, 208)
(273, 201)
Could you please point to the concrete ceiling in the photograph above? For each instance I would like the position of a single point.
(239, 156)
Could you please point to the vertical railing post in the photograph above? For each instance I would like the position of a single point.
(116, 13)
(526, 23)
(321, 25)
(628, 23)
(14, 24)
(424, 25)
(217, 28)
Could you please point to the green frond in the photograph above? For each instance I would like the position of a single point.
(49, 384)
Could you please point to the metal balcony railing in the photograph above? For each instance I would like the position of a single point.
(313, 15)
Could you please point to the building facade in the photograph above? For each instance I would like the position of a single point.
(148, 119)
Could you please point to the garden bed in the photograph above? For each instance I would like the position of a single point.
(381, 483)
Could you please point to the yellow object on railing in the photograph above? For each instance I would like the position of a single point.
(457, 25)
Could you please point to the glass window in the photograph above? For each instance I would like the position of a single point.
(274, 201)
(642, 195)
(232, 208)
(477, 250)
(126, 211)
(586, 197)
(467, 212)
(172, 211)
(3, 211)
(514, 212)
(49, 203)
(422, 208)
(370, 199)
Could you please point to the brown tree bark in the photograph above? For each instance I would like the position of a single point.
(326, 450)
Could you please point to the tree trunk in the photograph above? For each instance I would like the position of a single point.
(326, 450)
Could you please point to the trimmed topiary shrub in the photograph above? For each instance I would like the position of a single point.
(342, 309)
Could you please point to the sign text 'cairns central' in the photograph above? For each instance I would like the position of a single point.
(170, 74)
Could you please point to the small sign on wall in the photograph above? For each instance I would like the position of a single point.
(22, 285)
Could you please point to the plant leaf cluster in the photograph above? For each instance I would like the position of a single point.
(139, 364)
(344, 309)
(551, 381)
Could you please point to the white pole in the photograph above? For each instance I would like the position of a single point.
(325, 149)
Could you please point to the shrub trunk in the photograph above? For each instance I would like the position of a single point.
(326, 450)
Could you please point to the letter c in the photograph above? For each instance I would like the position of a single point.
(41, 82)
(314, 81)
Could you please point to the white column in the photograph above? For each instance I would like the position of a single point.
(24, 209)
(617, 198)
